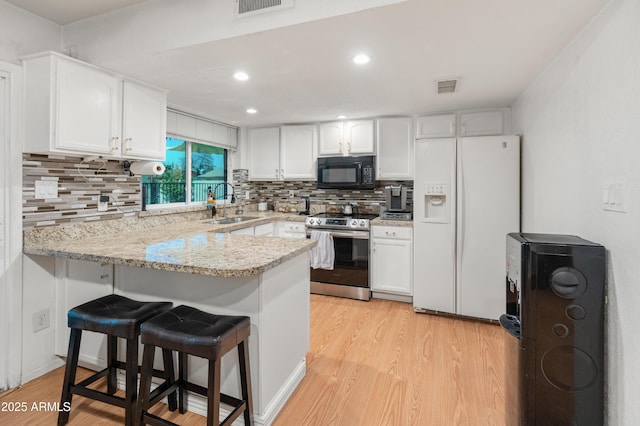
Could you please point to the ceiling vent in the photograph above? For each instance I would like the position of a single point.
(447, 86)
(254, 7)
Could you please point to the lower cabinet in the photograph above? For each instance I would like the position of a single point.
(391, 260)
(265, 230)
(291, 230)
(77, 282)
(243, 231)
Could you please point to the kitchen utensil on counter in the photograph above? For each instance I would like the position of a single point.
(307, 205)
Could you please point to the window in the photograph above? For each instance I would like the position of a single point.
(207, 165)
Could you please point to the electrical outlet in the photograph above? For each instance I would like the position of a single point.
(291, 192)
(41, 320)
(103, 203)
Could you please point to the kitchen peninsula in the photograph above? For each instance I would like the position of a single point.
(189, 260)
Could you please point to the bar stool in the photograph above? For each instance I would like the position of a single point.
(190, 331)
(117, 317)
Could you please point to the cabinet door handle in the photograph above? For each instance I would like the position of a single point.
(103, 276)
(277, 175)
(282, 173)
(349, 147)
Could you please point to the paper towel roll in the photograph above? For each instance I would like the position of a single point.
(147, 168)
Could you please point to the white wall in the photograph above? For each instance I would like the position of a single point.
(580, 122)
(23, 33)
(26, 354)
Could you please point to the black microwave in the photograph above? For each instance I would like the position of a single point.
(347, 172)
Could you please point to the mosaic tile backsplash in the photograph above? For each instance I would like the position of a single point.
(80, 185)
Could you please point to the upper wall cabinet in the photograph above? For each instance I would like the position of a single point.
(196, 129)
(76, 108)
(346, 138)
(436, 126)
(283, 153)
(483, 123)
(395, 148)
(298, 147)
(264, 153)
(467, 123)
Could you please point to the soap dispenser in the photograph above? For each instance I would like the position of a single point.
(211, 202)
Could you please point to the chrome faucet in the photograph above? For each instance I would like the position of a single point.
(215, 196)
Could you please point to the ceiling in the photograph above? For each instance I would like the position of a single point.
(304, 73)
(64, 12)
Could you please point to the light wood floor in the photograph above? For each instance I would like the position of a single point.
(371, 363)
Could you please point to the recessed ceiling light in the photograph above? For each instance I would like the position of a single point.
(241, 75)
(361, 59)
(341, 117)
(251, 110)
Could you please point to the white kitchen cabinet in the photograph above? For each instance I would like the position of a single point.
(394, 148)
(482, 123)
(264, 153)
(298, 147)
(288, 152)
(143, 122)
(264, 229)
(436, 126)
(76, 108)
(290, 229)
(391, 260)
(77, 282)
(243, 231)
(346, 138)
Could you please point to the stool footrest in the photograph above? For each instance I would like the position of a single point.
(99, 396)
(154, 420)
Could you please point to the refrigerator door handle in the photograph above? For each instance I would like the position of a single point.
(459, 213)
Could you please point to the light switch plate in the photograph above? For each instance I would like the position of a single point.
(46, 189)
(614, 196)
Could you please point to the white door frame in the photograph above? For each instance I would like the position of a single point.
(11, 227)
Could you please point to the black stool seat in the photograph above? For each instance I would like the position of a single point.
(117, 317)
(186, 329)
(189, 331)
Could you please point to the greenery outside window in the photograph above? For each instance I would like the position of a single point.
(207, 166)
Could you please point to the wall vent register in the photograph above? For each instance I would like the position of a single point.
(252, 7)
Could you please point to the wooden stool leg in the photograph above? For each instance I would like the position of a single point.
(170, 377)
(112, 357)
(245, 381)
(131, 380)
(146, 374)
(183, 375)
(69, 375)
(213, 393)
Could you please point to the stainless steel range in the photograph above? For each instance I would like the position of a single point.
(350, 242)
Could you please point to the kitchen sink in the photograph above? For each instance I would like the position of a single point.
(228, 220)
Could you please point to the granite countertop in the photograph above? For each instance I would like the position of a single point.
(387, 222)
(179, 242)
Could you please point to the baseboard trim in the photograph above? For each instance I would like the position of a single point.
(42, 370)
(198, 404)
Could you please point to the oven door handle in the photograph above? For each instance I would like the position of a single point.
(358, 235)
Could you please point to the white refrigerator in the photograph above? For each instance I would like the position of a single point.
(466, 200)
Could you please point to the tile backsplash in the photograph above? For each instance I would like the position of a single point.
(79, 188)
(80, 185)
